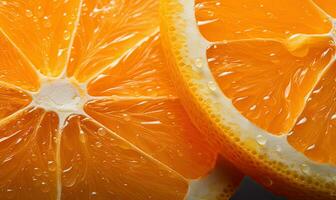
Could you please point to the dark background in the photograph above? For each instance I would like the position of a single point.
(250, 190)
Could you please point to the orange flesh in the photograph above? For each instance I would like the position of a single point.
(104, 34)
(135, 142)
(277, 63)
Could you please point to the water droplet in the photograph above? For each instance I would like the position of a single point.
(212, 86)
(52, 165)
(37, 171)
(60, 52)
(93, 193)
(66, 35)
(99, 144)
(33, 157)
(10, 194)
(39, 11)
(44, 187)
(29, 13)
(333, 117)
(302, 121)
(305, 168)
(261, 140)
(311, 147)
(170, 115)
(126, 117)
(46, 22)
(101, 131)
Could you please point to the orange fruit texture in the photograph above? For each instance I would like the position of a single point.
(87, 110)
(259, 78)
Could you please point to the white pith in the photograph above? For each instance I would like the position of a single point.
(275, 148)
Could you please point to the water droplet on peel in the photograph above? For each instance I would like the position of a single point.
(261, 140)
(93, 193)
(212, 86)
(305, 168)
(66, 35)
(29, 13)
(278, 148)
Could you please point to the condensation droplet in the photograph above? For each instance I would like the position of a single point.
(66, 35)
(212, 86)
(170, 115)
(261, 140)
(302, 121)
(126, 117)
(99, 144)
(45, 187)
(33, 157)
(10, 193)
(101, 131)
(46, 22)
(52, 165)
(29, 13)
(333, 117)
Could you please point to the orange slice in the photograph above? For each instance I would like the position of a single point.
(87, 110)
(260, 76)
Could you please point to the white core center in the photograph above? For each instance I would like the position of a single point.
(60, 96)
